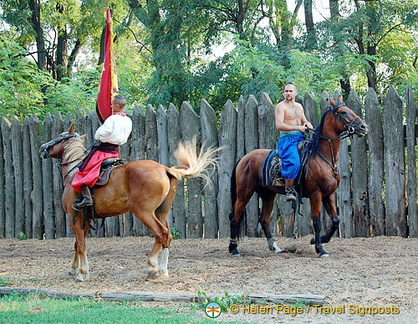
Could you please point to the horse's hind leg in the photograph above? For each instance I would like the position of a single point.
(330, 206)
(264, 219)
(160, 232)
(162, 215)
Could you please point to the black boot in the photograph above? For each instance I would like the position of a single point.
(290, 192)
(87, 198)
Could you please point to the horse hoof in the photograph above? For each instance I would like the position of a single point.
(152, 275)
(163, 275)
(313, 241)
(235, 253)
(276, 248)
(79, 278)
(325, 255)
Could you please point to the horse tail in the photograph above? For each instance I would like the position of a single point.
(191, 164)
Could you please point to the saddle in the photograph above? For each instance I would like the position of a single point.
(106, 170)
(271, 169)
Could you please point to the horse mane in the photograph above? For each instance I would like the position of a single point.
(74, 152)
(317, 136)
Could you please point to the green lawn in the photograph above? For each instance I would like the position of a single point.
(33, 308)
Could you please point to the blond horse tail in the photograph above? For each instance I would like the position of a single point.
(192, 165)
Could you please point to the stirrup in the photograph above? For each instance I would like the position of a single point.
(75, 207)
(84, 203)
(290, 195)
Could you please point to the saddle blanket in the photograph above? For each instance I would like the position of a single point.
(271, 170)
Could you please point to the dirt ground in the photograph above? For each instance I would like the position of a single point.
(361, 272)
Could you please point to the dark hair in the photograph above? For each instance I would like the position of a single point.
(289, 83)
(119, 99)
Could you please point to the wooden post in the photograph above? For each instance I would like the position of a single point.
(411, 126)
(209, 127)
(27, 177)
(60, 219)
(125, 225)
(359, 176)
(240, 125)
(394, 164)
(2, 189)
(251, 143)
(190, 128)
(138, 153)
(376, 176)
(9, 201)
(344, 193)
(36, 195)
(178, 210)
(47, 181)
(226, 162)
(17, 140)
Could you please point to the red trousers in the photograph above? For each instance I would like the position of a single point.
(91, 172)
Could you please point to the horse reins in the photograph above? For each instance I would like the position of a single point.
(349, 131)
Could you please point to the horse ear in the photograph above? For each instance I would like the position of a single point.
(71, 128)
(340, 99)
(332, 102)
(83, 137)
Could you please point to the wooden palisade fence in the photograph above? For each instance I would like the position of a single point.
(377, 194)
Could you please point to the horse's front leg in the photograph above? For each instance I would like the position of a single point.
(316, 219)
(330, 206)
(80, 267)
(264, 219)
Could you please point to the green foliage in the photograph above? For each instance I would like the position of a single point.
(35, 308)
(22, 236)
(225, 301)
(4, 281)
(164, 51)
(175, 232)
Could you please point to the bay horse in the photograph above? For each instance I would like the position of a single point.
(144, 187)
(320, 178)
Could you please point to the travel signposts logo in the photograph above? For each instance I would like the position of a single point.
(213, 310)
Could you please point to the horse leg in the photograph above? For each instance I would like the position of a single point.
(264, 219)
(235, 218)
(162, 215)
(80, 266)
(160, 232)
(330, 206)
(316, 204)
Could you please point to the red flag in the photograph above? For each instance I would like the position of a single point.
(108, 82)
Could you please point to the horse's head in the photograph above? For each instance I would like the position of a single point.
(55, 148)
(348, 120)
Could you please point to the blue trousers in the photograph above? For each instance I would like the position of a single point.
(287, 147)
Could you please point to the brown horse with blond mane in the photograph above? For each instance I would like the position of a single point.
(320, 178)
(144, 187)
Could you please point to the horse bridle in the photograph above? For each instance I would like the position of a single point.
(350, 130)
(44, 150)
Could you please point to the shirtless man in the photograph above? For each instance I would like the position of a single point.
(291, 123)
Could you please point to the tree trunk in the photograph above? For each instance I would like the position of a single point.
(35, 7)
(311, 42)
(62, 48)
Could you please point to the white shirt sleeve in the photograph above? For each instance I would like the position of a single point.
(116, 130)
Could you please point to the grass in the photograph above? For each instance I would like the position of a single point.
(34, 308)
